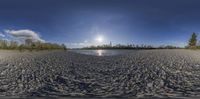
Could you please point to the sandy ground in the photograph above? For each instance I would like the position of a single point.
(144, 73)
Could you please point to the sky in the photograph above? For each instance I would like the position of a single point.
(79, 23)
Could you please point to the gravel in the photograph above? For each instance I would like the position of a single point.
(142, 73)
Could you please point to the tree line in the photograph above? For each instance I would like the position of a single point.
(130, 46)
(29, 44)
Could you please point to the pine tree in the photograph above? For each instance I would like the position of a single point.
(193, 40)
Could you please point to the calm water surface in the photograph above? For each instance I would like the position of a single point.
(102, 52)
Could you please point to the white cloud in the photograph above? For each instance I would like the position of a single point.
(85, 43)
(25, 34)
(2, 35)
(76, 44)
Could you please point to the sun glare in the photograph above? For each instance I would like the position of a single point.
(99, 39)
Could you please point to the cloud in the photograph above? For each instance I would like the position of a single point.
(85, 43)
(2, 35)
(76, 44)
(25, 34)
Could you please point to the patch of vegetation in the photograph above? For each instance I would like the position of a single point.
(30, 45)
(192, 44)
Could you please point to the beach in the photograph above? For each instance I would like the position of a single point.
(141, 73)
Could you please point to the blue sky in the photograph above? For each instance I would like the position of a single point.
(79, 23)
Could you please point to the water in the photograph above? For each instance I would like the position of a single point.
(102, 52)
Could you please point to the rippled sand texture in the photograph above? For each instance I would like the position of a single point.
(144, 73)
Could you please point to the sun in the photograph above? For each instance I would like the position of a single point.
(99, 39)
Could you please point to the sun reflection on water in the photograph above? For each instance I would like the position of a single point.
(100, 52)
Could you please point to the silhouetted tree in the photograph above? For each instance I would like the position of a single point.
(64, 47)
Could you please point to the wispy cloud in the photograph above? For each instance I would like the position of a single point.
(2, 35)
(25, 34)
(79, 44)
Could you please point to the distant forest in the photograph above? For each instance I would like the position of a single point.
(131, 46)
(28, 44)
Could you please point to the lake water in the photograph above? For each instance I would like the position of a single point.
(102, 52)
